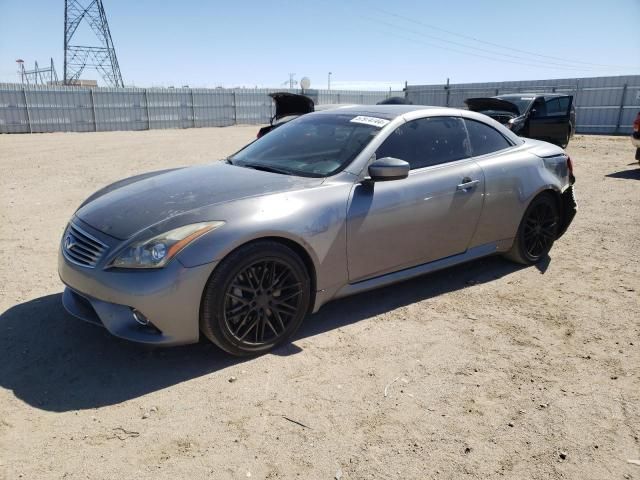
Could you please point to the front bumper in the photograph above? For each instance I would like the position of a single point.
(168, 297)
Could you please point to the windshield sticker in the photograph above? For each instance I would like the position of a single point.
(373, 121)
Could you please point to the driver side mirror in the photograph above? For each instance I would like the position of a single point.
(388, 168)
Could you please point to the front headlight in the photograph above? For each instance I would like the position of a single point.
(157, 251)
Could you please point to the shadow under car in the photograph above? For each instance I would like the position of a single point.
(55, 362)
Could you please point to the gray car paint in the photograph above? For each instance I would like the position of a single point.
(355, 234)
(124, 211)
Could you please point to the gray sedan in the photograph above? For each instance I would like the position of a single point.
(330, 204)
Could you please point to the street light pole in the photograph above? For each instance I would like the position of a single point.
(329, 81)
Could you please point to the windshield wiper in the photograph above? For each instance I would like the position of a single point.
(265, 168)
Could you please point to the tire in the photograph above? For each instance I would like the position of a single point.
(565, 142)
(255, 299)
(638, 155)
(537, 231)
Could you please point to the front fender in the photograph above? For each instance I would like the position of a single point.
(314, 219)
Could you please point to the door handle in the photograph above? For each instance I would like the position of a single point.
(467, 184)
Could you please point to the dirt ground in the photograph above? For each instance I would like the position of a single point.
(488, 370)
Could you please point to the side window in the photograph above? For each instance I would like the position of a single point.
(540, 108)
(564, 105)
(553, 107)
(427, 141)
(485, 139)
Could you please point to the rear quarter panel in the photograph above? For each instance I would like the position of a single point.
(513, 178)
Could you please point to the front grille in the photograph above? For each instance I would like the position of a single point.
(81, 248)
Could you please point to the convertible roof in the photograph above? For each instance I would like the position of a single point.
(383, 111)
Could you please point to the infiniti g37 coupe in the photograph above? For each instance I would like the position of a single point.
(327, 205)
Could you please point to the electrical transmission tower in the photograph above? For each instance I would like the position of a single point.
(39, 75)
(77, 58)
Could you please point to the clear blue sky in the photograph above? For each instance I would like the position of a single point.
(374, 44)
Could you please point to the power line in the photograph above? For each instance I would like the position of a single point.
(491, 52)
(501, 60)
(413, 20)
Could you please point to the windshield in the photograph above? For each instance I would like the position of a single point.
(521, 102)
(314, 145)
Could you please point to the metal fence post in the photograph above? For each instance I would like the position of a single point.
(621, 110)
(193, 108)
(146, 104)
(26, 104)
(235, 109)
(93, 109)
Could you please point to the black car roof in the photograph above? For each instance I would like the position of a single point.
(524, 94)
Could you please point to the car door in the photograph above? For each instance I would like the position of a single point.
(503, 172)
(429, 215)
(550, 121)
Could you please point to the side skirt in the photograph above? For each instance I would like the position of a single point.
(390, 278)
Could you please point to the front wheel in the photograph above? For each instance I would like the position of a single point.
(255, 299)
(537, 231)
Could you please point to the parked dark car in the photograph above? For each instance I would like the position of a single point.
(293, 105)
(549, 117)
(395, 101)
(288, 107)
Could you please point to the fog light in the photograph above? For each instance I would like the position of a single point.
(140, 318)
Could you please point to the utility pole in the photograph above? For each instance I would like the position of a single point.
(292, 82)
(448, 91)
(329, 81)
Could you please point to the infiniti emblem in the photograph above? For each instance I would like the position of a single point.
(69, 242)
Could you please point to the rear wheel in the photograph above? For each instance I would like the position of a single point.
(255, 299)
(537, 231)
(565, 142)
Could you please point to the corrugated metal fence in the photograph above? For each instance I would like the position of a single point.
(34, 109)
(603, 104)
(606, 105)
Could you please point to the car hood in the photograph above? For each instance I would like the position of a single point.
(133, 205)
(288, 104)
(497, 104)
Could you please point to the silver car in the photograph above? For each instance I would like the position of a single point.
(330, 204)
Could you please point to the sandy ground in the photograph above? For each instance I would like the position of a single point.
(490, 370)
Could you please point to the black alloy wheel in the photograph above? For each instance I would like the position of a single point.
(262, 301)
(256, 298)
(538, 230)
